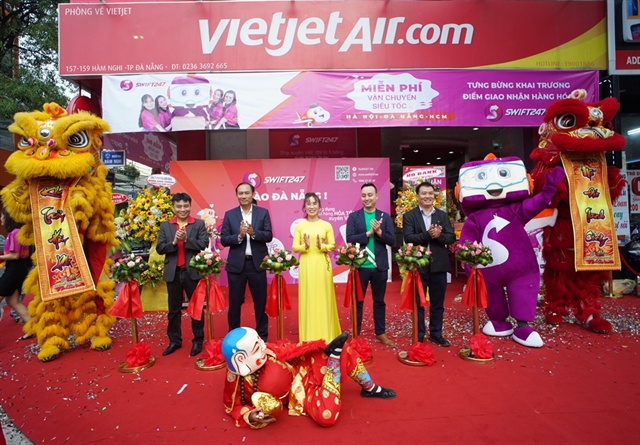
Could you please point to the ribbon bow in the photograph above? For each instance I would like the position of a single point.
(407, 294)
(353, 276)
(128, 304)
(271, 308)
(206, 287)
(468, 297)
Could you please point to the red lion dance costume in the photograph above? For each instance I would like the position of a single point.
(573, 126)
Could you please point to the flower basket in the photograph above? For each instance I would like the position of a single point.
(351, 255)
(142, 218)
(207, 262)
(129, 268)
(411, 257)
(473, 254)
(278, 261)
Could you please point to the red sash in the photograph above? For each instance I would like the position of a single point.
(407, 294)
(353, 276)
(272, 298)
(468, 297)
(216, 299)
(128, 304)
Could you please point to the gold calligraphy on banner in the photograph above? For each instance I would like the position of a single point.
(62, 266)
(594, 229)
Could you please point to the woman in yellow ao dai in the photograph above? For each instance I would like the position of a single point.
(317, 310)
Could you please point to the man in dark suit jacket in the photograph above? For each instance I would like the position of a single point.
(373, 230)
(429, 227)
(179, 240)
(246, 230)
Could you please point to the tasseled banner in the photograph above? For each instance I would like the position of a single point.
(271, 308)
(128, 304)
(138, 355)
(481, 346)
(468, 297)
(216, 299)
(407, 294)
(353, 276)
(420, 352)
(213, 353)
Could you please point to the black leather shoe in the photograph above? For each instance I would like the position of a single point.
(196, 349)
(440, 341)
(173, 347)
(336, 343)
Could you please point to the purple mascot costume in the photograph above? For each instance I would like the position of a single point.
(495, 195)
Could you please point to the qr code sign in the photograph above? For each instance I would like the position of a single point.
(343, 173)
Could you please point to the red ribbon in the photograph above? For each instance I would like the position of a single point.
(138, 355)
(353, 276)
(468, 297)
(216, 299)
(481, 346)
(272, 298)
(407, 295)
(128, 304)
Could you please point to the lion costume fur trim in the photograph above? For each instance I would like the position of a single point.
(69, 150)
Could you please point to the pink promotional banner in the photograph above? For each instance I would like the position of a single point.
(151, 149)
(475, 98)
(280, 185)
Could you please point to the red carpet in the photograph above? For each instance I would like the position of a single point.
(580, 388)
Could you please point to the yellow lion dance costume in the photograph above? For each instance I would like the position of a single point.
(62, 150)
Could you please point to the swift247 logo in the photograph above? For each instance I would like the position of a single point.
(313, 30)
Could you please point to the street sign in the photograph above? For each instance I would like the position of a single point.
(113, 158)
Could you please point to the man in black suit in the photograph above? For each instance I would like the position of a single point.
(373, 230)
(429, 227)
(246, 230)
(180, 239)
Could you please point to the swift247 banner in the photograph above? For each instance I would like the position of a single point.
(280, 185)
(296, 99)
(310, 35)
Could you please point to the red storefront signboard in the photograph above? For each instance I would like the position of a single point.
(126, 38)
(331, 143)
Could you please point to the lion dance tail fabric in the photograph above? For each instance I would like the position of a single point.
(62, 197)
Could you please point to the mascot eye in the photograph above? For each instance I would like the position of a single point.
(504, 173)
(481, 176)
(78, 140)
(183, 93)
(565, 121)
(197, 92)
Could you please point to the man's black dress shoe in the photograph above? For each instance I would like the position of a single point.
(196, 349)
(440, 341)
(173, 347)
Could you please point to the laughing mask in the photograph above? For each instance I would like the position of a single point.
(244, 351)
